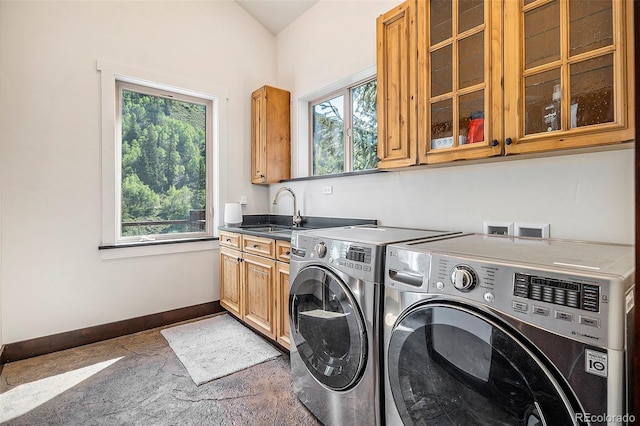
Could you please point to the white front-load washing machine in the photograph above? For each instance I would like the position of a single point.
(334, 309)
(489, 330)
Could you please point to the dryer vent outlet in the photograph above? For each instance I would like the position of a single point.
(498, 228)
(532, 230)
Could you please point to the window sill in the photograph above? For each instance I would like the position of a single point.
(337, 175)
(152, 248)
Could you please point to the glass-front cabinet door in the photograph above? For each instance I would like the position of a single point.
(567, 74)
(459, 72)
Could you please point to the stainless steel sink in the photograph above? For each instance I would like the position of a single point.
(269, 229)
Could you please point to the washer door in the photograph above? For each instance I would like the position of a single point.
(327, 328)
(450, 365)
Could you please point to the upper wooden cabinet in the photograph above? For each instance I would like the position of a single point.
(270, 135)
(502, 77)
(572, 63)
(396, 59)
(460, 107)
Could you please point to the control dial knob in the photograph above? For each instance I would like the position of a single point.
(463, 278)
(321, 250)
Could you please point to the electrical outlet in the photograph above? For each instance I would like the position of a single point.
(243, 200)
(327, 190)
(498, 228)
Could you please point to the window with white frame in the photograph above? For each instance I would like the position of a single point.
(343, 128)
(163, 141)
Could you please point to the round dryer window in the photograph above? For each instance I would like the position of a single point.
(449, 365)
(327, 328)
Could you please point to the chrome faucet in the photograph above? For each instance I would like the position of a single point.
(296, 216)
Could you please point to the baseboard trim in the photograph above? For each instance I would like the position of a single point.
(43, 345)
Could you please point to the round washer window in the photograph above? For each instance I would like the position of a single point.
(327, 328)
(452, 366)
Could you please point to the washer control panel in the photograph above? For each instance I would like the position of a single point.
(354, 259)
(580, 306)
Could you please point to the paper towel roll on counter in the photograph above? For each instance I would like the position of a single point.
(232, 214)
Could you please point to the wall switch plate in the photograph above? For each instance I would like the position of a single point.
(327, 190)
(533, 230)
(498, 228)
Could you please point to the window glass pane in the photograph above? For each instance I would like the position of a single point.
(471, 118)
(591, 25)
(163, 165)
(471, 14)
(542, 35)
(328, 136)
(440, 23)
(471, 58)
(441, 71)
(542, 102)
(441, 124)
(592, 92)
(365, 128)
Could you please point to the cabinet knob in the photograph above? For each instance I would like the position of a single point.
(494, 142)
(255, 246)
(508, 141)
(228, 240)
(287, 253)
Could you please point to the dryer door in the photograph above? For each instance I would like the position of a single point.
(327, 328)
(450, 365)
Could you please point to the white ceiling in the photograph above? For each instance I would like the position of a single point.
(275, 15)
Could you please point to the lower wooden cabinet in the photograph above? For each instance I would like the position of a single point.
(255, 287)
(282, 304)
(230, 280)
(259, 297)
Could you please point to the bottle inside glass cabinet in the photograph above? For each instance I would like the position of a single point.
(552, 112)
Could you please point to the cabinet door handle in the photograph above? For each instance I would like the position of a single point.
(287, 253)
(494, 142)
(508, 141)
(228, 240)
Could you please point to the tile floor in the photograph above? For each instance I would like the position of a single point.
(138, 380)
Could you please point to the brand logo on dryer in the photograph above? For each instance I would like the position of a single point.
(585, 335)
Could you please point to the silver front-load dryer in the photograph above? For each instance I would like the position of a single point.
(336, 277)
(489, 330)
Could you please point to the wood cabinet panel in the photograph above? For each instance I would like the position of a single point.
(270, 135)
(231, 280)
(283, 251)
(230, 239)
(259, 306)
(282, 304)
(396, 102)
(258, 245)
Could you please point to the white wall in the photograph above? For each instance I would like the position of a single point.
(54, 279)
(585, 196)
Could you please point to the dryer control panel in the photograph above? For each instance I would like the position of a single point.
(583, 307)
(558, 292)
